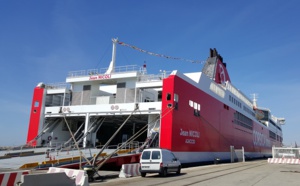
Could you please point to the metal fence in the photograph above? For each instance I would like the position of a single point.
(237, 155)
(285, 152)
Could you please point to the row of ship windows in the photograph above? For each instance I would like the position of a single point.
(234, 101)
(246, 122)
(239, 104)
(274, 125)
(243, 120)
(248, 111)
(274, 136)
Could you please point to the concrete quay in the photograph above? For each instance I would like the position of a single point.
(258, 173)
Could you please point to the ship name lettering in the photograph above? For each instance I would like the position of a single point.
(194, 134)
(190, 141)
(105, 76)
(93, 77)
(183, 133)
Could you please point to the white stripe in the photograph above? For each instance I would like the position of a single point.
(5, 179)
(18, 177)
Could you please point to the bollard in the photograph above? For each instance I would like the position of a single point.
(90, 171)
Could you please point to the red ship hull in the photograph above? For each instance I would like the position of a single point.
(210, 132)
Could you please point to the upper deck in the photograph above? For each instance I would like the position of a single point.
(95, 91)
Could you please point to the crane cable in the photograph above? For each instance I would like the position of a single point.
(107, 143)
(159, 55)
(76, 144)
(140, 132)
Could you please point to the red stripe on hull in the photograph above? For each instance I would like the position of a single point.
(12, 178)
(1, 177)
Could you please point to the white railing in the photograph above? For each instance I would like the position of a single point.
(59, 85)
(153, 77)
(132, 145)
(80, 73)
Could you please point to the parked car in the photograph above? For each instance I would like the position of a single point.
(157, 160)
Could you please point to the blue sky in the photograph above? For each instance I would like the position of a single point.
(41, 41)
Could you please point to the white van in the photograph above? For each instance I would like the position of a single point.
(156, 160)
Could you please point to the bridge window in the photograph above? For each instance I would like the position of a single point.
(121, 85)
(86, 87)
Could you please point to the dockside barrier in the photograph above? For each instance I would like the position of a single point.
(130, 170)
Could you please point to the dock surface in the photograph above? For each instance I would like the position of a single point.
(258, 173)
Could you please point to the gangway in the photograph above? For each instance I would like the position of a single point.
(152, 137)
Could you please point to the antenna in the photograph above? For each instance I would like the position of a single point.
(254, 100)
(144, 69)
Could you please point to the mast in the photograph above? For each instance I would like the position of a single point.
(254, 101)
(113, 57)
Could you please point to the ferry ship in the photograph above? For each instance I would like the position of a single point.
(199, 115)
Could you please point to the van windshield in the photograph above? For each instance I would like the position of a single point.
(146, 155)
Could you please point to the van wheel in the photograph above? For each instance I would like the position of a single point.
(164, 172)
(143, 174)
(179, 169)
